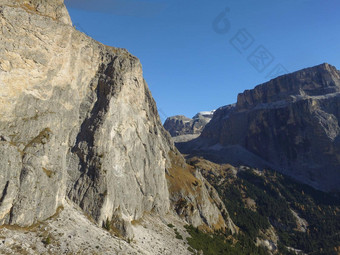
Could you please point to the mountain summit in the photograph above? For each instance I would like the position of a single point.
(184, 129)
(320, 80)
(290, 124)
(79, 129)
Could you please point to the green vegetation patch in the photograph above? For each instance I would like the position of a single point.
(219, 243)
(257, 200)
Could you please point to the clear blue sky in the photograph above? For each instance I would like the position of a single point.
(197, 54)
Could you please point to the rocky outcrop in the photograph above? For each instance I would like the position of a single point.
(321, 80)
(194, 199)
(290, 124)
(73, 126)
(180, 125)
(54, 9)
(183, 129)
(77, 121)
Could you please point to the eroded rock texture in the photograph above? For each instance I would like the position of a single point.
(181, 125)
(290, 124)
(77, 120)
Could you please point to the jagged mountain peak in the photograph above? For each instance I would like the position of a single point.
(290, 124)
(320, 80)
(322, 70)
(180, 126)
(179, 117)
(324, 66)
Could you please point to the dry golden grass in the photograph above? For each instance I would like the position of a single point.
(18, 228)
(58, 211)
(201, 163)
(29, 8)
(49, 173)
(35, 226)
(220, 224)
(181, 179)
(137, 222)
(41, 138)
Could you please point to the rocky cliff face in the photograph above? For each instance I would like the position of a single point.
(290, 124)
(181, 125)
(184, 129)
(77, 121)
(54, 9)
(178, 125)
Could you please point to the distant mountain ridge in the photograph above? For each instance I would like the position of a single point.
(290, 124)
(184, 129)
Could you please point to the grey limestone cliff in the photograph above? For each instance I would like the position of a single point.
(180, 125)
(77, 121)
(184, 129)
(290, 124)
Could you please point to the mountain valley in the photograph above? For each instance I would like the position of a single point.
(88, 168)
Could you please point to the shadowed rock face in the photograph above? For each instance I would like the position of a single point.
(178, 125)
(317, 81)
(77, 120)
(290, 124)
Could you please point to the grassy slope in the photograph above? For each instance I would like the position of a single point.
(274, 196)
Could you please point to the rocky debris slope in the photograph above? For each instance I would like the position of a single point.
(71, 232)
(290, 124)
(183, 129)
(78, 121)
